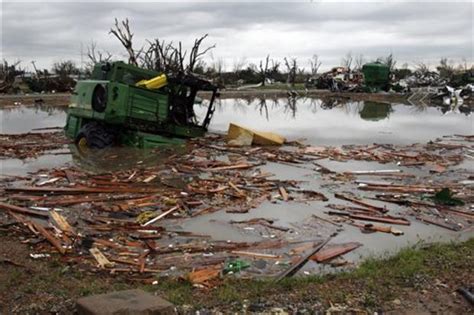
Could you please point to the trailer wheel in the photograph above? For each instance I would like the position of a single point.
(94, 135)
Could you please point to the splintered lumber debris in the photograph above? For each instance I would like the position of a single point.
(203, 276)
(365, 217)
(283, 193)
(31, 144)
(62, 222)
(334, 251)
(49, 237)
(374, 172)
(117, 213)
(164, 214)
(102, 261)
(302, 261)
(230, 167)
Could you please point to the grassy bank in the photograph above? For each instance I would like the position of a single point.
(398, 282)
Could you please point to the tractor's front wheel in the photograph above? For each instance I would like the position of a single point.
(94, 135)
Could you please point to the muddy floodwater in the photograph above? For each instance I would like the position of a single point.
(311, 121)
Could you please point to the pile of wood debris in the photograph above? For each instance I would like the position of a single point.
(128, 221)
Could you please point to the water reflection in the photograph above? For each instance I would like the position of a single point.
(375, 111)
(329, 121)
(342, 121)
(20, 119)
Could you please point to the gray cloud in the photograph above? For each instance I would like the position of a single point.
(47, 32)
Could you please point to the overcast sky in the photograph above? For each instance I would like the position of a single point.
(412, 31)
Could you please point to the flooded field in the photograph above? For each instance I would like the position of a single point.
(313, 122)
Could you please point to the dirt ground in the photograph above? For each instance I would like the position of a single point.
(51, 285)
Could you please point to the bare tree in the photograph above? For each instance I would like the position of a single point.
(8, 72)
(65, 71)
(125, 36)
(347, 61)
(445, 68)
(216, 69)
(195, 54)
(65, 68)
(315, 63)
(263, 70)
(390, 62)
(359, 62)
(161, 56)
(239, 64)
(292, 68)
(422, 68)
(165, 57)
(463, 65)
(96, 56)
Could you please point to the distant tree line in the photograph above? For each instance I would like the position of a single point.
(170, 57)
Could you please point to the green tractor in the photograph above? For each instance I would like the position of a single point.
(126, 104)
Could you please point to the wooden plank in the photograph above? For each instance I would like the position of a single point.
(234, 187)
(369, 227)
(397, 189)
(203, 276)
(164, 214)
(81, 190)
(452, 227)
(334, 251)
(21, 210)
(49, 237)
(361, 203)
(230, 167)
(62, 222)
(300, 263)
(380, 219)
(252, 254)
(365, 217)
(283, 193)
(101, 259)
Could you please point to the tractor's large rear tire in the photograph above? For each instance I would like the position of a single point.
(95, 135)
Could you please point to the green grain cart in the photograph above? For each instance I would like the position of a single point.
(376, 77)
(126, 104)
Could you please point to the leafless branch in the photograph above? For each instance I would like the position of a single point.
(125, 36)
(315, 63)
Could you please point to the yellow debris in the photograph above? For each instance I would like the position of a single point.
(242, 136)
(154, 83)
